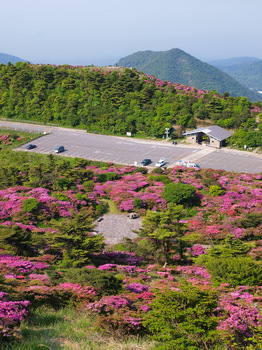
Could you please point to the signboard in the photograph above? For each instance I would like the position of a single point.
(129, 134)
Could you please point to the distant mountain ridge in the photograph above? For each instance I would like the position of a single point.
(4, 59)
(246, 70)
(179, 67)
(233, 61)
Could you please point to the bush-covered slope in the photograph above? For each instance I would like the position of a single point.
(114, 100)
(248, 74)
(192, 279)
(179, 67)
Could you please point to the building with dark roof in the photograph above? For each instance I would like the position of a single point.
(213, 136)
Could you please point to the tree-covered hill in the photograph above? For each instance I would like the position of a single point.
(4, 58)
(248, 73)
(179, 67)
(115, 100)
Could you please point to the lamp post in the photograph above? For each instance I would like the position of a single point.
(167, 129)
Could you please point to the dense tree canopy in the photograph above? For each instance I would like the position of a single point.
(116, 100)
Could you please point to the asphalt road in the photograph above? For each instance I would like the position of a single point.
(127, 151)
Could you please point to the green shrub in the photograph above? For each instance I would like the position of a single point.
(61, 196)
(110, 176)
(30, 205)
(209, 182)
(138, 203)
(184, 319)
(82, 197)
(141, 170)
(64, 183)
(157, 171)
(160, 178)
(250, 220)
(101, 209)
(179, 193)
(237, 271)
(88, 185)
(216, 190)
(103, 282)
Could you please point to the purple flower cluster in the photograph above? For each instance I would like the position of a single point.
(137, 287)
(11, 315)
(241, 317)
(106, 304)
(196, 250)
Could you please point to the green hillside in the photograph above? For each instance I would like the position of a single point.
(179, 67)
(116, 100)
(248, 74)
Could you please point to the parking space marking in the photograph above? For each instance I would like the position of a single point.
(111, 148)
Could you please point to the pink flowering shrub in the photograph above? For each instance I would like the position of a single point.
(236, 212)
(11, 315)
(137, 287)
(117, 314)
(240, 318)
(61, 295)
(196, 250)
(18, 265)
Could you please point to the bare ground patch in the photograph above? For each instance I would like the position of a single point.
(114, 227)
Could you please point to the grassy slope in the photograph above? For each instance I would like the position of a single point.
(69, 329)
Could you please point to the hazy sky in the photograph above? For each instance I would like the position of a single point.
(103, 31)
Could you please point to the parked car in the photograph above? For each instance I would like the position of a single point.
(193, 165)
(161, 162)
(146, 162)
(133, 216)
(188, 164)
(30, 146)
(59, 149)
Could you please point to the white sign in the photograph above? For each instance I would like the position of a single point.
(129, 134)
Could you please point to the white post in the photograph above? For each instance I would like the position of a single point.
(167, 129)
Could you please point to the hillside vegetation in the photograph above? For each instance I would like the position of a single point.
(192, 279)
(117, 100)
(247, 73)
(179, 67)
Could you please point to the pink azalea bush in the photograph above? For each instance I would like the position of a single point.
(11, 315)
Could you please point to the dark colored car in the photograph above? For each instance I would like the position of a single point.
(59, 149)
(146, 162)
(30, 146)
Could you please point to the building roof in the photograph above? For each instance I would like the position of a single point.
(213, 131)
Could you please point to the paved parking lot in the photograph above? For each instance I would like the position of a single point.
(126, 151)
(108, 148)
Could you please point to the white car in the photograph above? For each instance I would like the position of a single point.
(193, 165)
(188, 164)
(160, 163)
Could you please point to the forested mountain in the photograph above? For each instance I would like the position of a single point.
(247, 72)
(179, 67)
(4, 58)
(116, 100)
